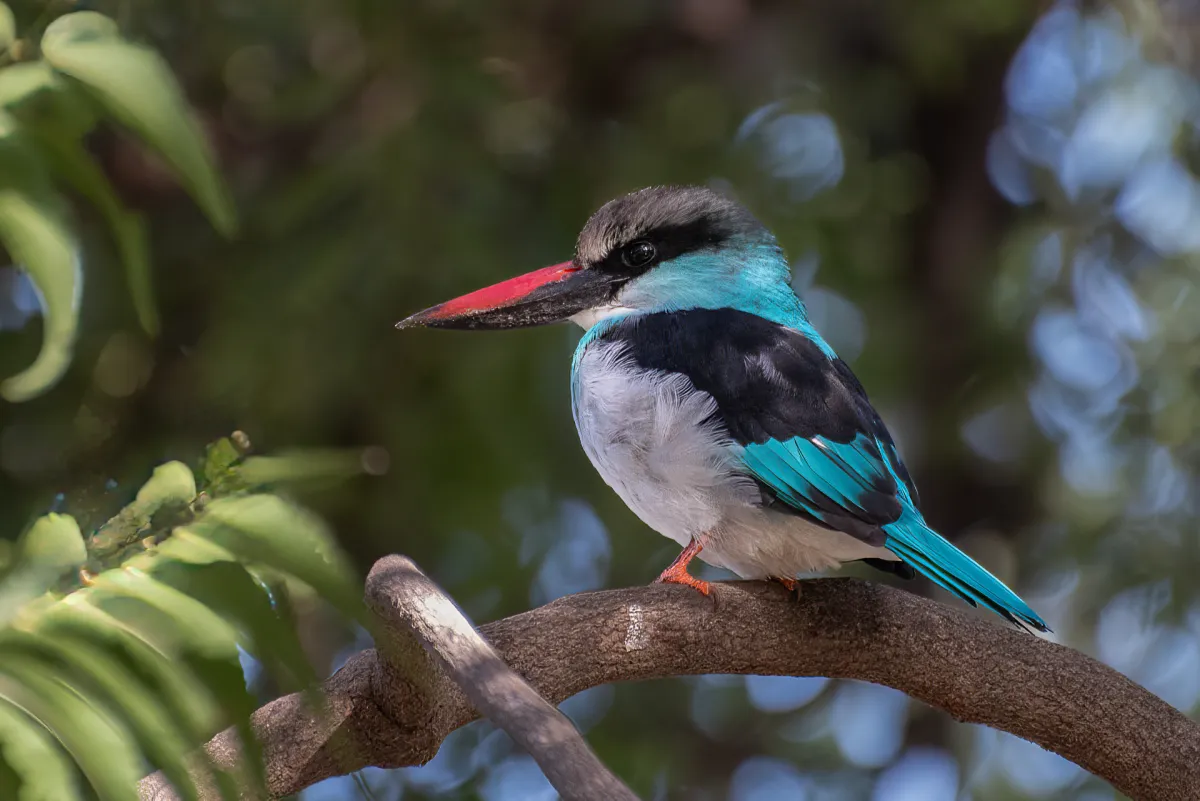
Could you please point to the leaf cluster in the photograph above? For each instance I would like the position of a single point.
(80, 74)
(120, 651)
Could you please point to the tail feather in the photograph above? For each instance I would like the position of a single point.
(953, 570)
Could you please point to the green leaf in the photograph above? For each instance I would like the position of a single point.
(201, 642)
(218, 476)
(199, 709)
(169, 491)
(80, 26)
(228, 589)
(301, 467)
(34, 231)
(8, 28)
(102, 748)
(41, 98)
(178, 690)
(203, 630)
(26, 80)
(55, 544)
(98, 677)
(40, 242)
(137, 88)
(71, 162)
(52, 547)
(184, 546)
(170, 482)
(45, 772)
(227, 684)
(267, 529)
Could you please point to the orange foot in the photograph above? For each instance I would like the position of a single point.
(791, 584)
(677, 573)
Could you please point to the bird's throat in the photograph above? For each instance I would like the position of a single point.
(589, 317)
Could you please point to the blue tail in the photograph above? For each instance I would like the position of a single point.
(948, 567)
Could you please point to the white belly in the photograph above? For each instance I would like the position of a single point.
(649, 435)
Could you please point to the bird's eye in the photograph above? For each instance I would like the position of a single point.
(638, 254)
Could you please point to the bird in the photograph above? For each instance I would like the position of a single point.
(706, 399)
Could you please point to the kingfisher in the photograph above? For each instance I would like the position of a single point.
(709, 403)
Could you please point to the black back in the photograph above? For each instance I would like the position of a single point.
(772, 382)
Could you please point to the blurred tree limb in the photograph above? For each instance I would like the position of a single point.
(393, 707)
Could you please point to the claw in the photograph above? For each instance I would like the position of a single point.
(678, 573)
(670, 576)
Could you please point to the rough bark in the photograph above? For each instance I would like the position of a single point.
(410, 604)
(395, 710)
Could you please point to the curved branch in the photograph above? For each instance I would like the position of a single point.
(407, 601)
(394, 709)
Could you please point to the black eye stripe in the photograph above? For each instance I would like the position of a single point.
(667, 242)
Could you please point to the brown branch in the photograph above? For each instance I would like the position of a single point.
(394, 709)
(409, 603)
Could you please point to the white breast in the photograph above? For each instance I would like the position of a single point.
(648, 435)
(651, 436)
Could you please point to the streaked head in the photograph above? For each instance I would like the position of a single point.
(666, 247)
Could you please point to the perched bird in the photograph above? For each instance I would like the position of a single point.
(706, 399)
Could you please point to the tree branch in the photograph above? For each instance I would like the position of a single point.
(408, 602)
(394, 708)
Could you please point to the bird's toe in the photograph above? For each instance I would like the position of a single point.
(790, 584)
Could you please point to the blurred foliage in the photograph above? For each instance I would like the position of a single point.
(86, 73)
(991, 208)
(121, 650)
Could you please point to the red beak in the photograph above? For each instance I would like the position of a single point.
(548, 295)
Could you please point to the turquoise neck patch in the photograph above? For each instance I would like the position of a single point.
(750, 276)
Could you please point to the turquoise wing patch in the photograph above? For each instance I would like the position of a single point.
(846, 486)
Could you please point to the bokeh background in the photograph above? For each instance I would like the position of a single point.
(993, 214)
